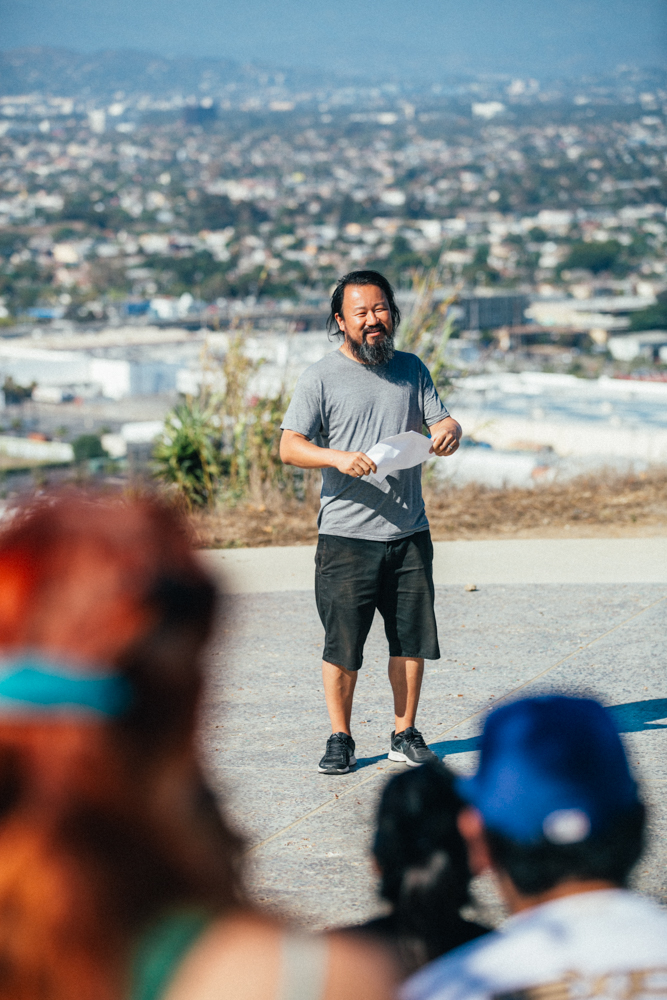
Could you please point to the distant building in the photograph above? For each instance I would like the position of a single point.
(80, 373)
(136, 308)
(97, 120)
(650, 344)
(200, 114)
(46, 312)
(488, 313)
(599, 312)
(487, 109)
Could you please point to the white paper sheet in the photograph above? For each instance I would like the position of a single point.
(402, 451)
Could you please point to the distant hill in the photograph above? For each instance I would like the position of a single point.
(60, 72)
(101, 75)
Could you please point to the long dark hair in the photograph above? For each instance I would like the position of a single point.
(360, 278)
(104, 825)
(423, 860)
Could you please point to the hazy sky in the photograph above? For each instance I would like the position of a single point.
(405, 37)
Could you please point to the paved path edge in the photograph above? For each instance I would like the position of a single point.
(501, 561)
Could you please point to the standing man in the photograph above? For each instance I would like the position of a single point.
(374, 548)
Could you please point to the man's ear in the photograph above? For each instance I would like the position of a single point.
(471, 828)
(341, 322)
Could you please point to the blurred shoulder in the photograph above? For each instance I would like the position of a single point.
(243, 956)
(360, 969)
(238, 955)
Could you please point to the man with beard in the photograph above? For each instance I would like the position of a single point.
(374, 548)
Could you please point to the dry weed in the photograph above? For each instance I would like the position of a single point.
(279, 521)
(601, 505)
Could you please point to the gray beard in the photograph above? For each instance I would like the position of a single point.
(373, 354)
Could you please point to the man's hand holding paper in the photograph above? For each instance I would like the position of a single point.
(355, 463)
(402, 451)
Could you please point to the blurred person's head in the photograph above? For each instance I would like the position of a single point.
(364, 311)
(554, 807)
(105, 822)
(422, 859)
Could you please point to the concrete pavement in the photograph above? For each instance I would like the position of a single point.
(597, 628)
(527, 561)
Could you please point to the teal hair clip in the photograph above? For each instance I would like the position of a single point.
(32, 685)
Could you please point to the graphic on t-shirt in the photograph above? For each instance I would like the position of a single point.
(640, 984)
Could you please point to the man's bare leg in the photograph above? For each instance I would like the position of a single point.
(405, 677)
(339, 685)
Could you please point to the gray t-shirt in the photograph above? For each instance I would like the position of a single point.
(342, 404)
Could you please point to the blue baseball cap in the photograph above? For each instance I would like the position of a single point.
(550, 768)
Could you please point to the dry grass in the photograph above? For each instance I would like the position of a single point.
(277, 522)
(591, 506)
(588, 507)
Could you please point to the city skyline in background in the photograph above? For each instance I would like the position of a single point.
(389, 39)
(504, 165)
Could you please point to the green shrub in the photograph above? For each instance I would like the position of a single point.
(225, 444)
(88, 446)
(188, 455)
(652, 318)
(595, 257)
(15, 393)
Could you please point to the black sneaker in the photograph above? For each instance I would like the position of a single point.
(339, 756)
(409, 747)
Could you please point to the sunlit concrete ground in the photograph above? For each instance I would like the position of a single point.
(265, 726)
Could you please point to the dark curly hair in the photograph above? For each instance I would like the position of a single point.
(423, 863)
(360, 278)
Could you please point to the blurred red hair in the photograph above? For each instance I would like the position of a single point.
(103, 825)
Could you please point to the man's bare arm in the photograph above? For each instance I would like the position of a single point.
(445, 435)
(296, 449)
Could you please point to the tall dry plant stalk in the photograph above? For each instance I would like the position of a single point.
(225, 445)
(233, 406)
(255, 468)
(428, 327)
